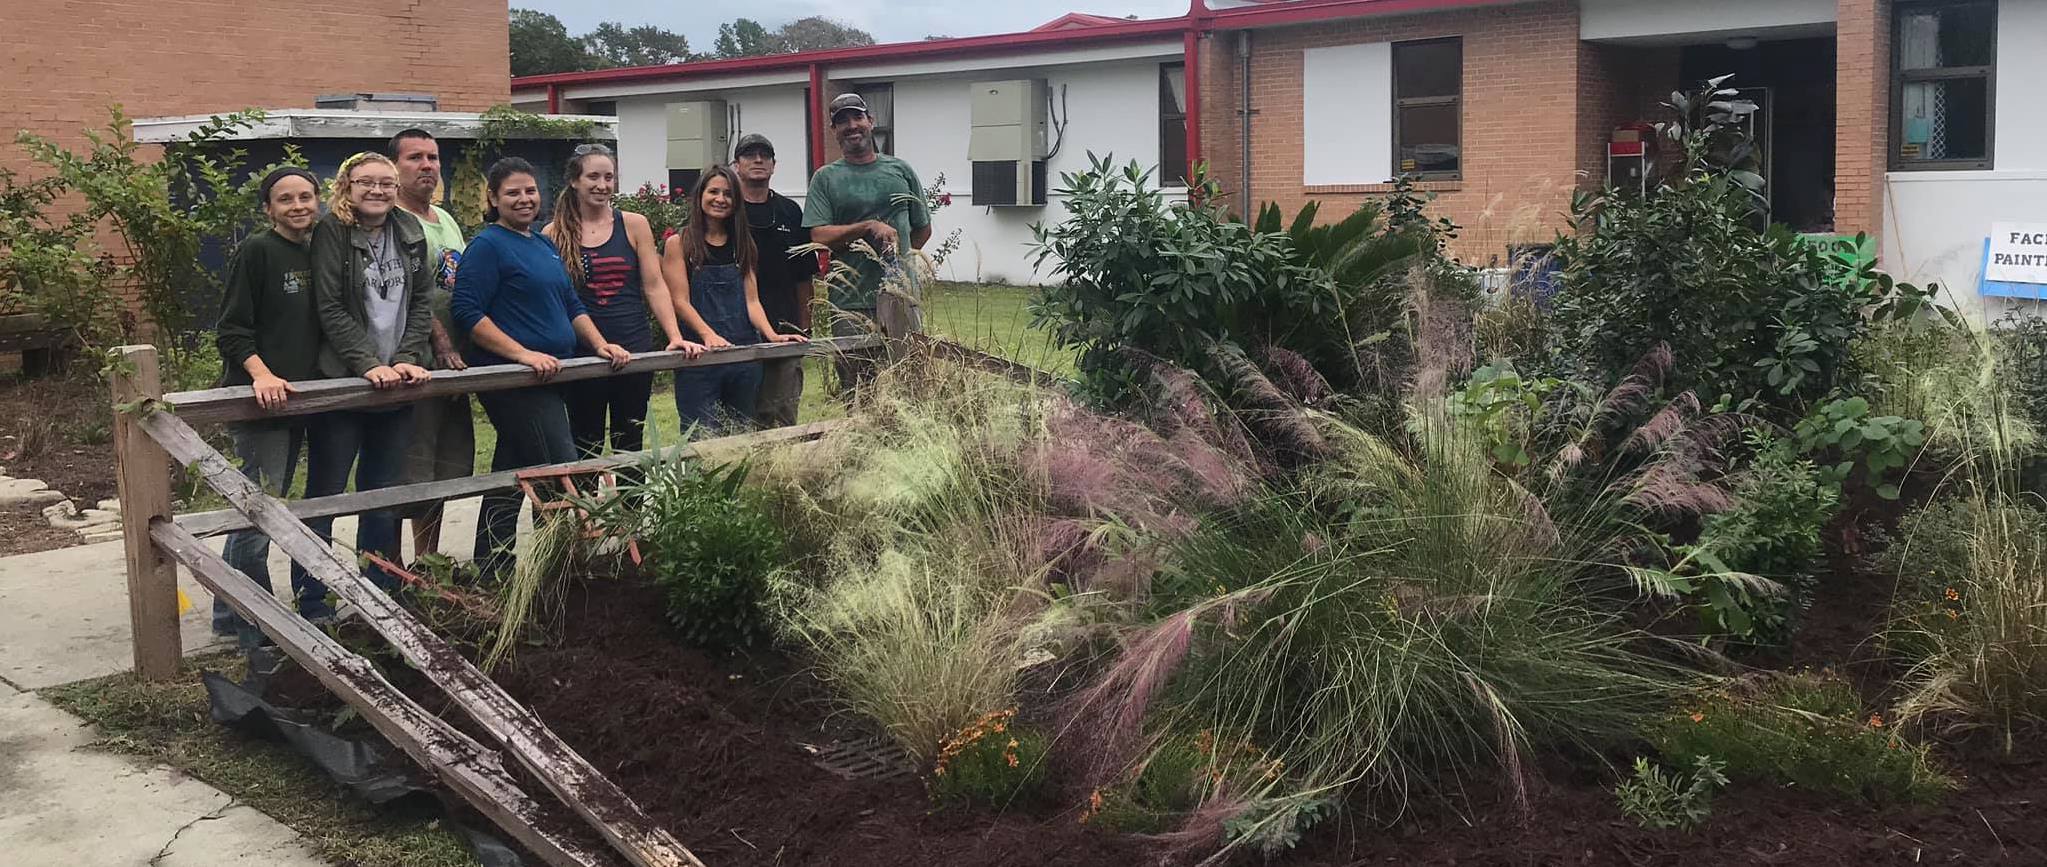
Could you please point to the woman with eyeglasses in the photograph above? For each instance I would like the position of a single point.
(711, 264)
(616, 270)
(514, 298)
(372, 281)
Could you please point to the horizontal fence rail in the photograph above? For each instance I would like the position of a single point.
(214, 523)
(238, 402)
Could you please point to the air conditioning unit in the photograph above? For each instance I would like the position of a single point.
(698, 137)
(1009, 142)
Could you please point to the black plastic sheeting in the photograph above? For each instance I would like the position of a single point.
(369, 767)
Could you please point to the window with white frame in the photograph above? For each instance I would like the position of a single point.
(1428, 97)
(1173, 124)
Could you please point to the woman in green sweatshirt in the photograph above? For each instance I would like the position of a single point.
(269, 337)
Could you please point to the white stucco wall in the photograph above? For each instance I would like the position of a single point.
(1110, 109)
(1347, 114)
(775, 112)
(1935, 222)
(1653, 20)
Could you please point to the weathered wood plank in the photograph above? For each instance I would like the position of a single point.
(214, 523)
(529, 741)
(975, 358)
(237, 403)
(474, 771)
(144, 480)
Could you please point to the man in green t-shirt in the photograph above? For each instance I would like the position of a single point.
(443, 437)
(864, 196)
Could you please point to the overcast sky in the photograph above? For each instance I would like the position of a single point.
(888, 20)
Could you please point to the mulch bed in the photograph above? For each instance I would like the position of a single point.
(710, 745)
(58, 429)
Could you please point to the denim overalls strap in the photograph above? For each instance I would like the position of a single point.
(718, 292)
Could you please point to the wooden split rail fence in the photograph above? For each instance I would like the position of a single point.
(153, 430)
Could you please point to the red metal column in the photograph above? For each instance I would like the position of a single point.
(554, 99)
(813, 125)
(1191, 66)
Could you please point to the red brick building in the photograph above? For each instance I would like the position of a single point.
(64, 63)
(1904, 119)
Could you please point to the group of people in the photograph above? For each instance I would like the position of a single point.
(385, 286)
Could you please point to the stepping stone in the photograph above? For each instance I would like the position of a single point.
(27, 492)
(109, 506)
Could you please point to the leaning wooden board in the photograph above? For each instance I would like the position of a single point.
(474, 771)
(529, 741)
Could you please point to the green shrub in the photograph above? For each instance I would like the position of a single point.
(708, 544)
(1753, 313)
(992, 762)
(1879, 444)
(1802, 730)
(1664, 801)
(1772, 533)
(1134, 271)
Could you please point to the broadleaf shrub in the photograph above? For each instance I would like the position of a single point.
(1772, 533)
(709, 545)
(1758, 314)
(1663, 801)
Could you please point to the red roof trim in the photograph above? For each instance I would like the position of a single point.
(1199, 18)
(1072, 20)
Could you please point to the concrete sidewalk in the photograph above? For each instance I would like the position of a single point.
(64, 618)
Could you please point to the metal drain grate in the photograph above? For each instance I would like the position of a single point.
(876, 758)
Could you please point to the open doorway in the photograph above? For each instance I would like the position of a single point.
(1792, 83)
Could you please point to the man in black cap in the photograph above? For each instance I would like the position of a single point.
(865, 195)
(782, 274)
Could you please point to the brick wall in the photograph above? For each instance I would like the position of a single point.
(64, 63)
(1523, 138)
(1861, 113)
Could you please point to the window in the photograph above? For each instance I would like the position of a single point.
(1943, 63)
(881, 106)
(1428, 86)
(1173, 124)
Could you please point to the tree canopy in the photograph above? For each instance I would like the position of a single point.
(540, 43)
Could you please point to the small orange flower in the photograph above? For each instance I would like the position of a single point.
(1876, 721)
(1952, 595)
(1010, 758)
(1698, 716)
(1953, 614)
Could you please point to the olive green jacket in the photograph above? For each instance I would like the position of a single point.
(341, 253)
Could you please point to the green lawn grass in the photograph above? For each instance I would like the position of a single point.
(986, 316)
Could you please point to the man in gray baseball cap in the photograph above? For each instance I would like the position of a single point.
(782, 276)
(864, 196)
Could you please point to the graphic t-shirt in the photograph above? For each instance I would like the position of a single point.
(384, 290)
(444, 245)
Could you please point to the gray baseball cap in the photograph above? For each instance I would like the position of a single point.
(846, 102)
(753, 141)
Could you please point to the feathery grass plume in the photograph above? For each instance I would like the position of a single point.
(1443, 348)
(1293, 372)
(548, 554)
(1285, 426)
(1182, 402)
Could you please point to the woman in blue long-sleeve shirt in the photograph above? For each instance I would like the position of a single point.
(513, 296)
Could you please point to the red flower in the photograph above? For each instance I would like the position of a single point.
(944, 199)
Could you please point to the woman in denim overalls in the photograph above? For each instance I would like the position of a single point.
(709, 269)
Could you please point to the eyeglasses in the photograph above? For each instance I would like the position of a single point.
(588, 149)
(368, 184)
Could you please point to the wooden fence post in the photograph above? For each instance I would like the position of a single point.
(143, 471)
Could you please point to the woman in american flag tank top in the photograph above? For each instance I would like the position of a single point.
(616, 269)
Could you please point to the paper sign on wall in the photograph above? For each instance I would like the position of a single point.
(2018, 253)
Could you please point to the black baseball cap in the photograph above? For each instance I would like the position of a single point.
(753, 141)
(846, 102)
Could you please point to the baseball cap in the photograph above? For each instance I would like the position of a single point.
(846, 102)
(753, 141)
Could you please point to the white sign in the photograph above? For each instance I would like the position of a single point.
(2018, 253)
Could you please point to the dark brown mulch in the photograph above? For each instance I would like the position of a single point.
(59, 430)
(709, 744)
(24, 531)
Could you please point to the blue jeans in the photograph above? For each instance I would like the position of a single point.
(533, 429)
(716, 399)
(374, 445)
(270, 454)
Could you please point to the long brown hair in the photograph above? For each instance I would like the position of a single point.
(567, 229)
(695, 249)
